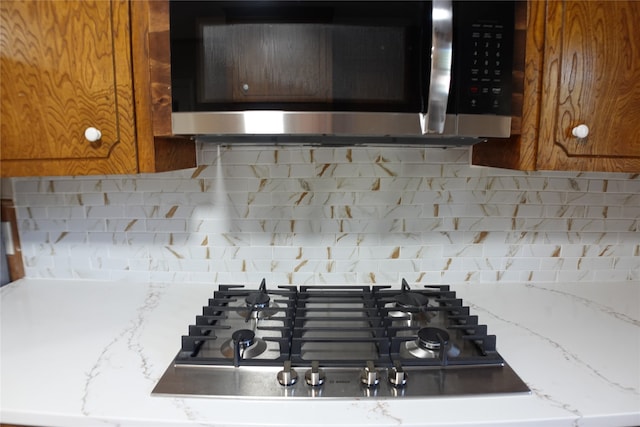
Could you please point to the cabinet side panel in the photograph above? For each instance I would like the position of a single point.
(14, 259)
(142, 83)
(157, 150)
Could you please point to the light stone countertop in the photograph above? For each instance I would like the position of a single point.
(88, 353)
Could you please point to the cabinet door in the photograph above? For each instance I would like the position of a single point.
(591, 77)
(66, 66)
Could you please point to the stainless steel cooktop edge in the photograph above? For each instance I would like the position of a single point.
(341, 383)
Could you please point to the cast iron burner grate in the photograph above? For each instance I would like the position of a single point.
(338, 326)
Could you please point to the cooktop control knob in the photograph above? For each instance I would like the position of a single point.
(370, 376)
(315, 376)
(287, 376)
(397, 375)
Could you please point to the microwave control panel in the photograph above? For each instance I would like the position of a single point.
(483, 62)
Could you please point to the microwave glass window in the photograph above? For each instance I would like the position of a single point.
(324, 56)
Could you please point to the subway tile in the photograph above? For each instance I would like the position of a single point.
(458, 276)
(631, 263)
(499, 276)
(520, 264)
(461, 251)
(26, 185)
(39, 200)
(622, 199)
(631, 186)
(615, 275)
(105, 212)
(392, 238)
(166, 225)
(42, 212)
(63, 185)
(85, 199)
(57, 212)
(89, 225)
(538, 276)
(380, 252)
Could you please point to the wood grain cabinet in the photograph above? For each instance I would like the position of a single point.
(76, 94)
(582, 72)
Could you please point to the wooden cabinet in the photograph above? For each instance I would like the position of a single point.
(582, 67)
(71, 65)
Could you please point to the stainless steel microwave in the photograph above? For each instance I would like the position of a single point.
(420, 70)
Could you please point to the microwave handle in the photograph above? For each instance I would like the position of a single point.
(441, 57)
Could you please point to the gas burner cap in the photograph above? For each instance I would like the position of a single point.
(254, 313)
(409, 299)
(428, 345)
(250, 347)
(259, 299)
(257, 305)
(432, 338)
(243, 336)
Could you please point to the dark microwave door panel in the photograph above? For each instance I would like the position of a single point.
(323, 56)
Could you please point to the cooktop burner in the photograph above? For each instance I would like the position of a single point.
(410, 300)
(258, 304)
(346, 341)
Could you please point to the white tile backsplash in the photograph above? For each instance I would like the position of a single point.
(309, 215)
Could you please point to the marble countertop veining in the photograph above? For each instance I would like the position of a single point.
(87, 353)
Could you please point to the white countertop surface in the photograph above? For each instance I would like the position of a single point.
(87, 353)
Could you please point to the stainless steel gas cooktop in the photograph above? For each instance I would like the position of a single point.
(337, 342)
